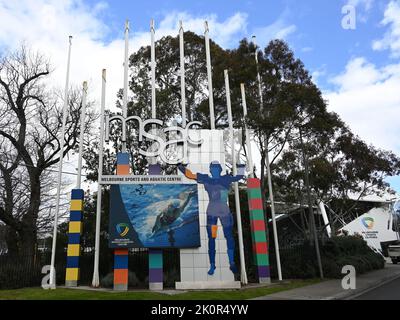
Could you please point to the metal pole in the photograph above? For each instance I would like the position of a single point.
(271, 198)
(96, 280)
(209, 74)
(271, 193)
(310, 209)
(81, 134)
(60, 165)
(243, 274)
(153, 71)
(126, 65)
(249, 152)
(182, 57)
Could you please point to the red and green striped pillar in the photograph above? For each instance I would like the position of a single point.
(258, 230)
(74, 238)
(156, 275)
(121, 255)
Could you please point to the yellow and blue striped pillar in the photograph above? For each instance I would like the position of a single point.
(121, 255)
(74, 238)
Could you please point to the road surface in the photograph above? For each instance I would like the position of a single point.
(389, 291)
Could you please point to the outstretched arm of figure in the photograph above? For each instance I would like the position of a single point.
(237, 178)
(188, 174)
(240, 173)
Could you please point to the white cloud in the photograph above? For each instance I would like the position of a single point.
(307, 49)
(359, 73)
(367, 4)
(46, 24)
(391, 39)
(367, 98)
(225, 33)
(277, 30)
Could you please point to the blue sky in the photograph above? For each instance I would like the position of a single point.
(357, 70)
(319, 39)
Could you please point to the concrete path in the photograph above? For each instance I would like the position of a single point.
(332, 289)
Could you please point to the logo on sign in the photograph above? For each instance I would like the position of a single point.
(368, 223)
(122, 229)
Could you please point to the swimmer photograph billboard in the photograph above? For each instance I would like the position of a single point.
(154, 216)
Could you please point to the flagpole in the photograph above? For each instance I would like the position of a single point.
(153, 71)
(249, 152)
(243, 274)
(83, 115)
(60, 165)
(269, 178)
(126, 66)
(182, 58)
(209, 75)
(96, 280)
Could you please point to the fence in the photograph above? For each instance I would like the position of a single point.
(26, 271)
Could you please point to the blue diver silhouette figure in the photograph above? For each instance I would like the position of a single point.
(217, 187)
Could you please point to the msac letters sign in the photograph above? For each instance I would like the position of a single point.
(181, 137)
(154, 216)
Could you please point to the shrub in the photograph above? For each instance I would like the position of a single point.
(300, 262)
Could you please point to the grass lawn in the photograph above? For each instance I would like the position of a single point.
(74, 294)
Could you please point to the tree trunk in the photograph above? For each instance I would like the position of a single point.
(13, 242)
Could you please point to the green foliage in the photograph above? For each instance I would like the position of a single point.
(300, 262)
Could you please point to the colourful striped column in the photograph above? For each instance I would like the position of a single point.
(74, 238)
(155, 255)
(121, 255)
(121, 269)
(155, 269)
(258, 230)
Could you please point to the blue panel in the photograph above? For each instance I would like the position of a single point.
(120, 262)
(122, 158)
(74, 238)
(77, 194)
(75, 216)
(72, 262)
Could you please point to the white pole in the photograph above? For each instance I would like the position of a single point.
(243, 274)
(153, 71)
(183, 91)
(60, 165)
(96, 280)
(249, 152)
(81, 134)
(209, 74)
(321, 206)
(271, 193)
(126, 65)
(271, 198)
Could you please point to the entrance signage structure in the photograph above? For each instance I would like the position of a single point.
(144, 214)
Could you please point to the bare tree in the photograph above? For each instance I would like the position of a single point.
(30, 123)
